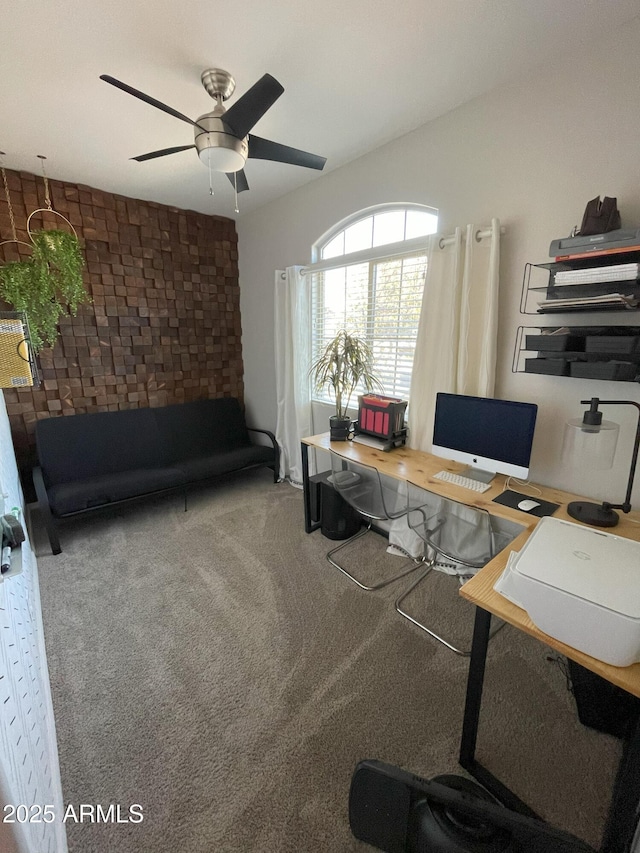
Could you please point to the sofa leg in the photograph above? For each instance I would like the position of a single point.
(50, 525)
(54, 541)
(45, 511)
(185, 500)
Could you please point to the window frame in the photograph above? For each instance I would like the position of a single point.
(414, 246)
(365, 213)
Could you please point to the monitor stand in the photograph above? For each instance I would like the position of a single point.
(478, 474)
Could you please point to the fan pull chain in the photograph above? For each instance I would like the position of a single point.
(210, 178)
(47, 197)
(235, 186)
(8, 197)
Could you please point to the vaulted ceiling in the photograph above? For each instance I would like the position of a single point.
(355, 74)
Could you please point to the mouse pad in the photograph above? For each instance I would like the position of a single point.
(512, 499)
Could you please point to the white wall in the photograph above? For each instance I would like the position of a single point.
(532, 154)
(29, 772)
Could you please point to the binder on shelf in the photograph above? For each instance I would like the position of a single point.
(598, 252)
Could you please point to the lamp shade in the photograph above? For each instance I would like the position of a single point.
(221, 159)
(590, 445)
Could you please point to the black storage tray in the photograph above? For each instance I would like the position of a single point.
(554, 343)
(621, 370)
(613, 343)
(548, 366)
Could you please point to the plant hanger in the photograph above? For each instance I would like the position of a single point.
(49, 284)
(14, 238)
(47, 201)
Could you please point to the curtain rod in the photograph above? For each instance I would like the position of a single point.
(480, 234)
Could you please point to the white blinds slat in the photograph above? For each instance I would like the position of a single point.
(380, 301)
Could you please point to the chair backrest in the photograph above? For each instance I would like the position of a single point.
(461, 534)
(364, 489)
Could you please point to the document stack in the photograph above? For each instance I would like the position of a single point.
(608, 302)
(594, 275)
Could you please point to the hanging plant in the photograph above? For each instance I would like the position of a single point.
(29, 287)
(49, 283)
(61, 253)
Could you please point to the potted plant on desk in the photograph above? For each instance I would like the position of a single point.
(345, 364)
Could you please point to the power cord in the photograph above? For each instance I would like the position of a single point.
(522, 484)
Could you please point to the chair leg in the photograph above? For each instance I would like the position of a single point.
(415, 564)
(398, 605)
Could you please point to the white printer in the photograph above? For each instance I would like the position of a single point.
(582, 586)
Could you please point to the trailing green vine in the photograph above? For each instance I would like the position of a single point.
(60, 251)
(47, 285)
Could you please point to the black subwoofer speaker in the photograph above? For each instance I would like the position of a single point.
(339, 520)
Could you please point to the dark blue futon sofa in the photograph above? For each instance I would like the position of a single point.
(91, 461)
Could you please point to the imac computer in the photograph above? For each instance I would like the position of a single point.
(490, 436)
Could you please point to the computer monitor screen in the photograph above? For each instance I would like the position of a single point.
(488, 435)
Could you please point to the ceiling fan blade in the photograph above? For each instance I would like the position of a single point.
(149, 100)
(240, 178)
(265, 149)
(153, 154)
(249, 109)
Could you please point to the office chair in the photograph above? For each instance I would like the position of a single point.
(376, 498)
(458, 538)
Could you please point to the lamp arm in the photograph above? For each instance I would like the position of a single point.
(626, 506)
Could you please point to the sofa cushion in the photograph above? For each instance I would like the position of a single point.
(69, 497)
(85, 446)
(215, 464)
(202, 427)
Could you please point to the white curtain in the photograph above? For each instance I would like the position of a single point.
(293, 357)
(457, 335)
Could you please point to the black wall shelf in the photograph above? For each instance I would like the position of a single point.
(539, 283)
(576, 346)
(585, 352)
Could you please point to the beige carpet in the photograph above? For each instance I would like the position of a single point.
(212, 667)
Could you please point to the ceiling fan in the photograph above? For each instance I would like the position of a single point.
(222, 137)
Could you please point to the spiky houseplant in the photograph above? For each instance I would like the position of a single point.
(46, 285)
(345, 363)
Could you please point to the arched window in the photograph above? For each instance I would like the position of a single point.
(368, 277)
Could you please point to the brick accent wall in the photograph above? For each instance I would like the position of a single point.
(164, 322)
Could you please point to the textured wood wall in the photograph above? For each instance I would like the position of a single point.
(164, 322)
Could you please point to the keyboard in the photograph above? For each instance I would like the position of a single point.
(464, 482)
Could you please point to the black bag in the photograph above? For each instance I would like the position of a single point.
(601, 705)
(600, 216)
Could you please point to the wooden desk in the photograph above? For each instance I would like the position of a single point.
(479, 590)
(403, 463)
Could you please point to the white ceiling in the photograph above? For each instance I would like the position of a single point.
(356, 74)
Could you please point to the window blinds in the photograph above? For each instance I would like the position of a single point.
(380, 301)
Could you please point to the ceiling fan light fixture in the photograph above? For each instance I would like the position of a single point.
(218, 149)
(222, 159)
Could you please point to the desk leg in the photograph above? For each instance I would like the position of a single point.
(309, 524)
(475, 683)
(625, 800)
(473, 701)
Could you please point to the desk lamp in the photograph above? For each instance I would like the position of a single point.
(592, 441)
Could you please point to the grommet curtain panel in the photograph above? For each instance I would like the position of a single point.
(293, 357)
(457, 336)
